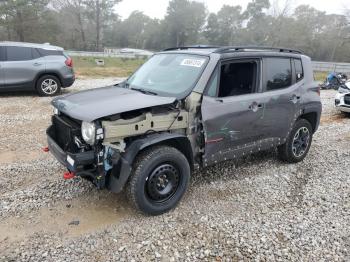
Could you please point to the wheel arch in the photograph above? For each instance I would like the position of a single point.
(178, 141)
(312, 118)
(44, 73)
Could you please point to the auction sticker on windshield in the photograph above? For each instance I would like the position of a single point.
(193, 62)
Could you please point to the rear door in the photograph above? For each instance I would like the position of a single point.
(281, 97)
(22, 66)
(2, 59)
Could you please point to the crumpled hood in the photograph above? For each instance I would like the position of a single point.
(92, 104)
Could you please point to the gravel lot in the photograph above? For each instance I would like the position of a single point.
(256, 208)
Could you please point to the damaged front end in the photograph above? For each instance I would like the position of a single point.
(106, 159)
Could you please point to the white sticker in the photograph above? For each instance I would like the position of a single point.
(193, 62)
(70, 160)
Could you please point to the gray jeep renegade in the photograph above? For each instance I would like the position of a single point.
(37, 67)
(186, 108)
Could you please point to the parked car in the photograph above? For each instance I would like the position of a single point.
(342, 98)
(41, 67)
(186, 108)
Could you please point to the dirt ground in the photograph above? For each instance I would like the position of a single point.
(42, 216)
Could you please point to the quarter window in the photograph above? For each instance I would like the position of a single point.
(299, 74)
(15, 53)
(278, 73)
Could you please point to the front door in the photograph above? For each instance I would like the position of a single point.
(232, 111)
(21, 67)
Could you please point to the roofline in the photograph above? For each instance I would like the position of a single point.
(33, 45)
(230, 49)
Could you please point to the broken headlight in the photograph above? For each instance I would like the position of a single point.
(88, 132)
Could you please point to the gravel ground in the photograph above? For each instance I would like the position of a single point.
(256, 208)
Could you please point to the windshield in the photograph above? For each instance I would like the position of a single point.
(168, 74)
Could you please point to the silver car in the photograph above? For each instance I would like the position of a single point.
(41, 67)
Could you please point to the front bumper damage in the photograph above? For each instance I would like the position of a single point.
(104, 168)
(342, 102)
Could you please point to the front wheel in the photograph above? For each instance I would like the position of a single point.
(298, 142)
(159, 179)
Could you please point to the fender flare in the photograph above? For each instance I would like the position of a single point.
(117, 180)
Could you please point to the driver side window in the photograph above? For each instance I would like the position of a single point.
(235, 78)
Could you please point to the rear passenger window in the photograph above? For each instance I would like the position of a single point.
(299, 73)
(278, 73)
(16, 53)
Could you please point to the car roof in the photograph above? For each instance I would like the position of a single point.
(46, 46)
(227, 51)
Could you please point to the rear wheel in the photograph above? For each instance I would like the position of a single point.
(298, 143)
(48, 85)
(159, 180)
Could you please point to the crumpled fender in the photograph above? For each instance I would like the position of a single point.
(118, 179)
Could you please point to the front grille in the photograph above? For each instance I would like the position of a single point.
(65, 130)
(347, 99)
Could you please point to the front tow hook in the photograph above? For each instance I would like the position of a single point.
(68, 175)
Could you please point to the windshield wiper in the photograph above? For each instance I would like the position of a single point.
(144, 91)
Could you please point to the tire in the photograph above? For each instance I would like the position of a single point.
(294, 151)
(48, 85)
(159, 179)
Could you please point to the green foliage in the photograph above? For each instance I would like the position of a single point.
(95, 24)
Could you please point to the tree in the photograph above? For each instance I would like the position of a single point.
(257, 22)
(101, 12)
(74, 13)
(20, 16)
(184, 21)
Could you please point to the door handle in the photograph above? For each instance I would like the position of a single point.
(255, 106)
(37, 64)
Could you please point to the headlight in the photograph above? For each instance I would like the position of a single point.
(55, 111)
(88, 131)
(343, 90)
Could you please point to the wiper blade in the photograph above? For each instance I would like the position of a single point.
(144, 91)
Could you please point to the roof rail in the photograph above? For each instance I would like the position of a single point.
(191, 46)
(227, 49)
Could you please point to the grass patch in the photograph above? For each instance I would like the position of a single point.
(113, 67)
(320, 76)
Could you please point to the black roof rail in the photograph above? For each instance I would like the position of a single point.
(191, 46)
(227, 49)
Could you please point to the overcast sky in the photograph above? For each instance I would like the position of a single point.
(157, 8)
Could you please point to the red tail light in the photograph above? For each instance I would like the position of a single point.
(69, 62)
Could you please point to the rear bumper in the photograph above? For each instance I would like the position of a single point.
(75, 162)
(68, 81)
